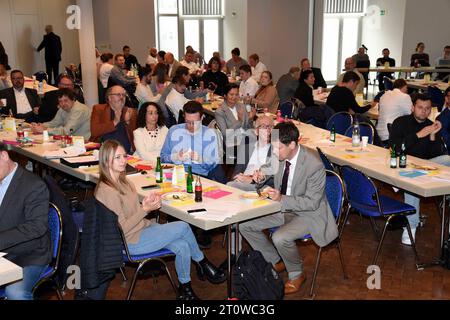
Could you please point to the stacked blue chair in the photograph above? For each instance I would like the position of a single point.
(365, 129)
(326, 162)
(363, 196)
(334, 189)
(341, 121)
(142, 259)
(436, 96)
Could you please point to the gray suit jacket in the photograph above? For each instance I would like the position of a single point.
(24, 233)
(226, 120)
(308, 198)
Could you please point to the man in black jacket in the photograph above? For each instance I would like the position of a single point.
(24, 230)
(422, 139)
(24, 103)
(319, 80)
(53, 49)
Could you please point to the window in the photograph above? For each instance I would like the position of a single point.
(197, 23)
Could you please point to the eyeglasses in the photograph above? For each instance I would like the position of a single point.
(264, 127)
(118, 94)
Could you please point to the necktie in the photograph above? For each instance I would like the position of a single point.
(284, 182)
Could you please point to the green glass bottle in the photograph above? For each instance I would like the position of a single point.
(189, 181)
(393, 162)
(402, 160)
(158, 171)
(333, 134)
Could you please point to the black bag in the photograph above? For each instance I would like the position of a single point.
(255, 279)
(446, 254)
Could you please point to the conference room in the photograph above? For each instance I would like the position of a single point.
(224, 149)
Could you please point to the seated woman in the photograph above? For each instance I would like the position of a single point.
(151, 133)
(305, 89)
(214, 79)
(233, 115)
(142, 235)
(267, 96)
(420, 58)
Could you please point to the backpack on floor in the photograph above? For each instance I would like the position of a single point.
(255, 279)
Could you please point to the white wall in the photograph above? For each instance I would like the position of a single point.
(119, 23)
(426, 21)
(22, 25)
(235, 28)
(379, 32)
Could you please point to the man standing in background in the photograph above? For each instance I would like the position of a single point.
(53, 49)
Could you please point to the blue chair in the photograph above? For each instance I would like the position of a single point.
(388, 84)
(41, 76)
(142, 259)
(341, 121)
(363, 196)
(326, 162)
(365, 129)
(334, 189)
(287, 109)
(436, 96)
(55, 227)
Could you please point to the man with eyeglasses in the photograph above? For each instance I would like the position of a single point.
(23, 103)
(114, 120)
(422, 139)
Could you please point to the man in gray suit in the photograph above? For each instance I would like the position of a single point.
(24, 234)
(300, 187)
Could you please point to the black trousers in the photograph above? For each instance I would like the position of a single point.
(52, 66)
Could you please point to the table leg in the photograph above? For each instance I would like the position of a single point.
(229, 283)
(444, 225)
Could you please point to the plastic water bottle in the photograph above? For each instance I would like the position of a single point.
(356, 135)
(41, 87)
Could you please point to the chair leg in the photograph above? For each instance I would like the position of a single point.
(224, 238)
(133, 282)
(175, 289)
(380, 243)
(59, 293)
(122, 271)
(413, 243)
(341, 257)
(345, 221)
(375, 228)
(316, 269)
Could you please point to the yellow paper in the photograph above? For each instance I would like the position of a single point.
(258, 203)
(10, 125)
(182, 203)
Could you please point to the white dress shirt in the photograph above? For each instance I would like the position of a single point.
(4, 184)
(393, 104)
(175, 101)
(22, 103)
(234, 112)
(105, 71)
(145, 94)
(258, 158)
(192, 66)
(249, 87)
(257, 70)
(151, 60)
(291, 172)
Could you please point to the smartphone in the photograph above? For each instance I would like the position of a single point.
(149, 187)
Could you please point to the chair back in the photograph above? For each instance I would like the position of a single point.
(341, 121)
(41, 76)
(287, 109)
(388, 85)
(365, 129)
(171, 120)
(56, 228)
(360, 188)
(334, 189)
(436, 96)
(326, 163)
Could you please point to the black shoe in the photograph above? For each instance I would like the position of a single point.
(185, 292)
(224, 265)
(206, 270)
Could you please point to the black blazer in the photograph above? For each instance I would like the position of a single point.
(24, 232)
(53, 47)
(11, 104)
(305, 94)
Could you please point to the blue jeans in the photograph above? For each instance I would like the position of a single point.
(22, 290)
(175, 236)
(414, 219)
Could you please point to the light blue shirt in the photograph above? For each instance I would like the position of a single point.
(203, 142)
(4, 184)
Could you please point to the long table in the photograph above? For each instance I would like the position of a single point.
(421, 84)
(403, 69)
(9, 272)
(46, 87)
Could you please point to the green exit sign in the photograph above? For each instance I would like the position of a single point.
(382, 12)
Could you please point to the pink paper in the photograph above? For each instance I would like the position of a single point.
(216, 194)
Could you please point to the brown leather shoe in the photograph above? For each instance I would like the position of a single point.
(279, 266)
(293, 286)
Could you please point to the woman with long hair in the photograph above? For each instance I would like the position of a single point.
(142, 235)
(267, 96)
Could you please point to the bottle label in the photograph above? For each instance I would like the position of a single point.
(393, 162)
(333, 137)
(356, 140)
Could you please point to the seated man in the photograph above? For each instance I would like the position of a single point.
(319, 81)
(288, 84)
(176, 99)
(193, 144)
(22, 102)
(350, 65)
(257, 67)
(50, 101)
(72, 117)
(423, 140)
(259, 154)
(24, 234)
(248, 86)
(393, 104)
(341, 97)
(385, 60)
(444, 118)
(114, 120)
(119, 76)
(300, 188)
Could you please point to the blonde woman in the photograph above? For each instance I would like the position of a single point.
(143, 235)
